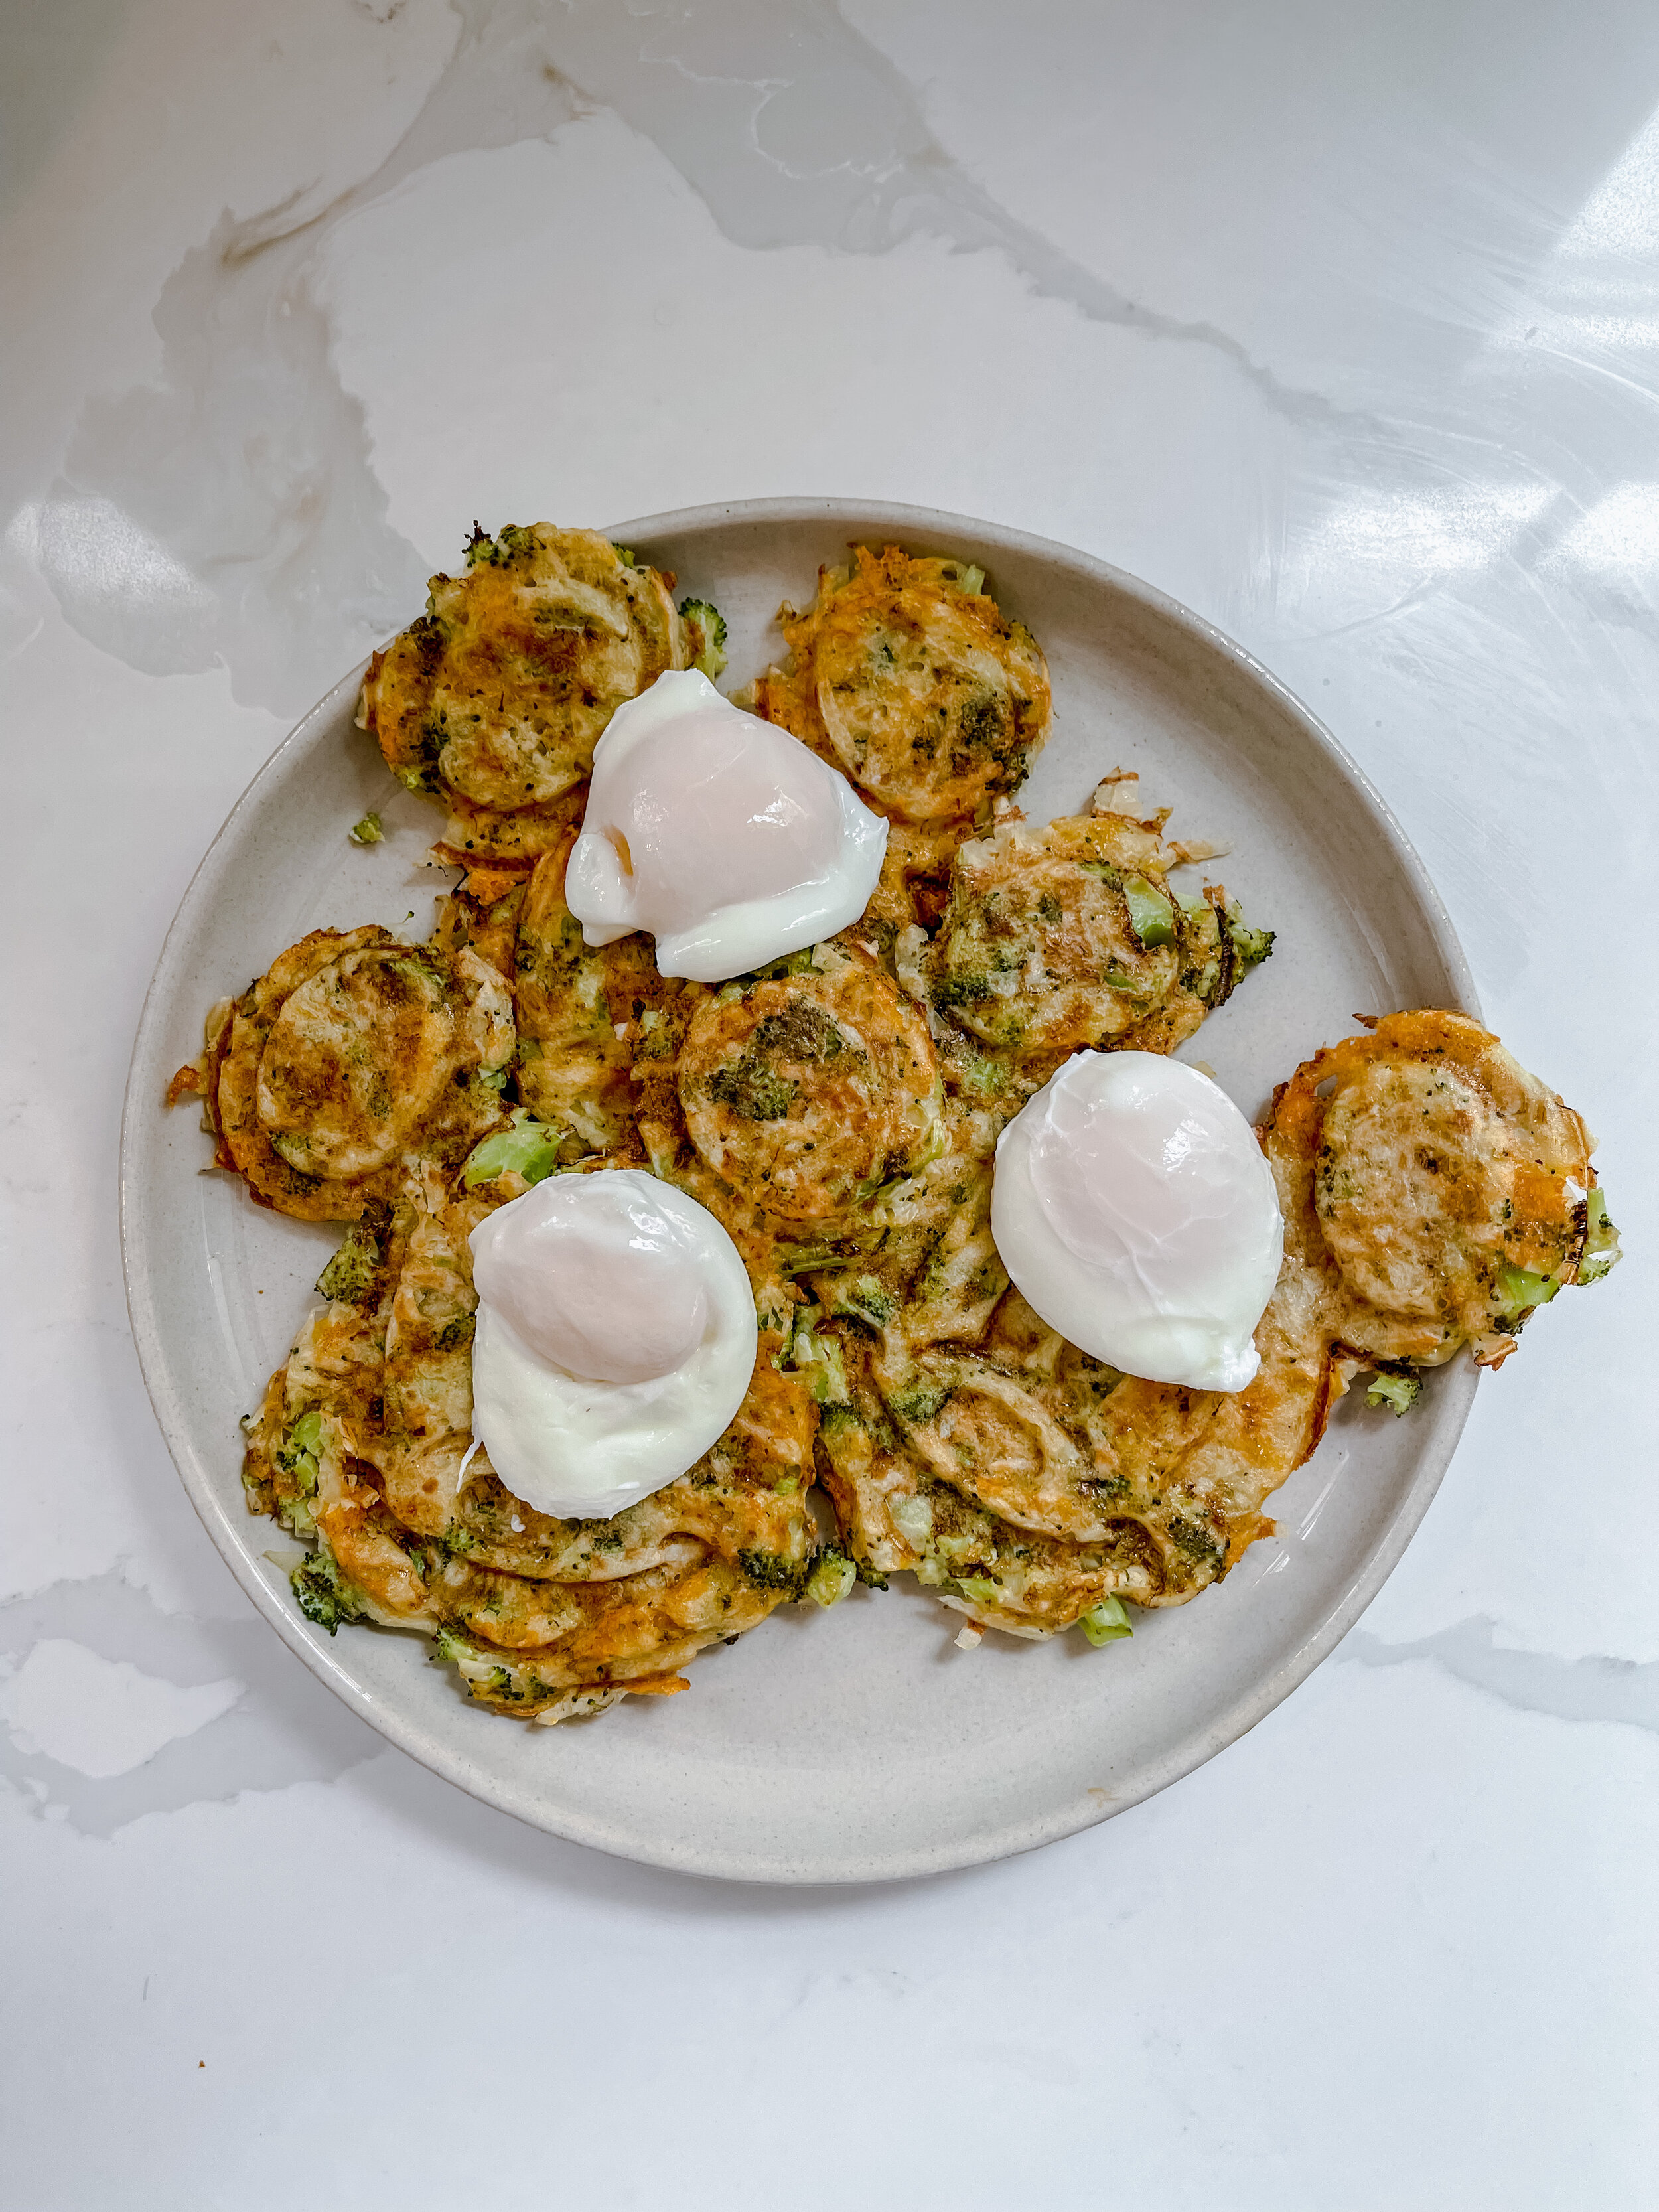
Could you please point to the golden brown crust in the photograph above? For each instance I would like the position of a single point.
(575, 1005)
(351, 1060)
(498, 694)
(570, 1604)
(928, 697)
(807, 1091)
(1430, 1168)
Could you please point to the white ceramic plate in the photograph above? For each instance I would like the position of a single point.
(858, 1744)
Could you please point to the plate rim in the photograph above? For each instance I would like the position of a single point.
(1454, 1395)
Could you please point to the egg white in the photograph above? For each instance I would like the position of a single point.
(708, 937)
(583, 1449)
(1162, 1271)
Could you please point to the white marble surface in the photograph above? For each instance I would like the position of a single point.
(1340, 324)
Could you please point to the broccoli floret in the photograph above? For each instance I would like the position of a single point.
(323, 1593)
(959, 991)
(1250, 947)
(1106, 1623)
(711, 632)
(349, 1273)
(867, 1575)
(482, 550)
(368, 831)
(1195, 1541)
(819, 1358)
(769, 1570)
(918, 1407)
(1398, 1392)
(833, 1575)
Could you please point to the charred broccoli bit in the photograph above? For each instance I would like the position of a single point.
(510, 543)
(959, 991)
(1195, 1541)
(349, 1273)
(1105, 1623)
(750, 1087)
(529, 1148)
(769, 1570)
(711, 628)
(323, 1594)
(868, 1576)
(369, 831)
(980, 730)
(1601, 1239)
(1398, 1391)
(918, 1407)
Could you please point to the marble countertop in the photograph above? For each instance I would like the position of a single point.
(1340, 325)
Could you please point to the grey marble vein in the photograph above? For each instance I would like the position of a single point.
(229, 511)
(1590, 1689)
(286, 1728)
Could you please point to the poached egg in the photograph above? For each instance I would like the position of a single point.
(1134, 1211)
(723, 836)
(616, 1339)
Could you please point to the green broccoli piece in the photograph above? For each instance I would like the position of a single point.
(350, 1271)
(1151, 916)
(1250, 947)
(833, 1575)
(1399, 1393)
(530, 1148)
(1524, 1291)
(863, 1299)
(1106, 1623)
(1602, 1250)
(819, 1358)
(624, 554)
(980, 1588)
(297, 1453)
(512, 540)
(323, 1593)
(769, 1570)
(711, 629)
(368, 831)
(917, 1407)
